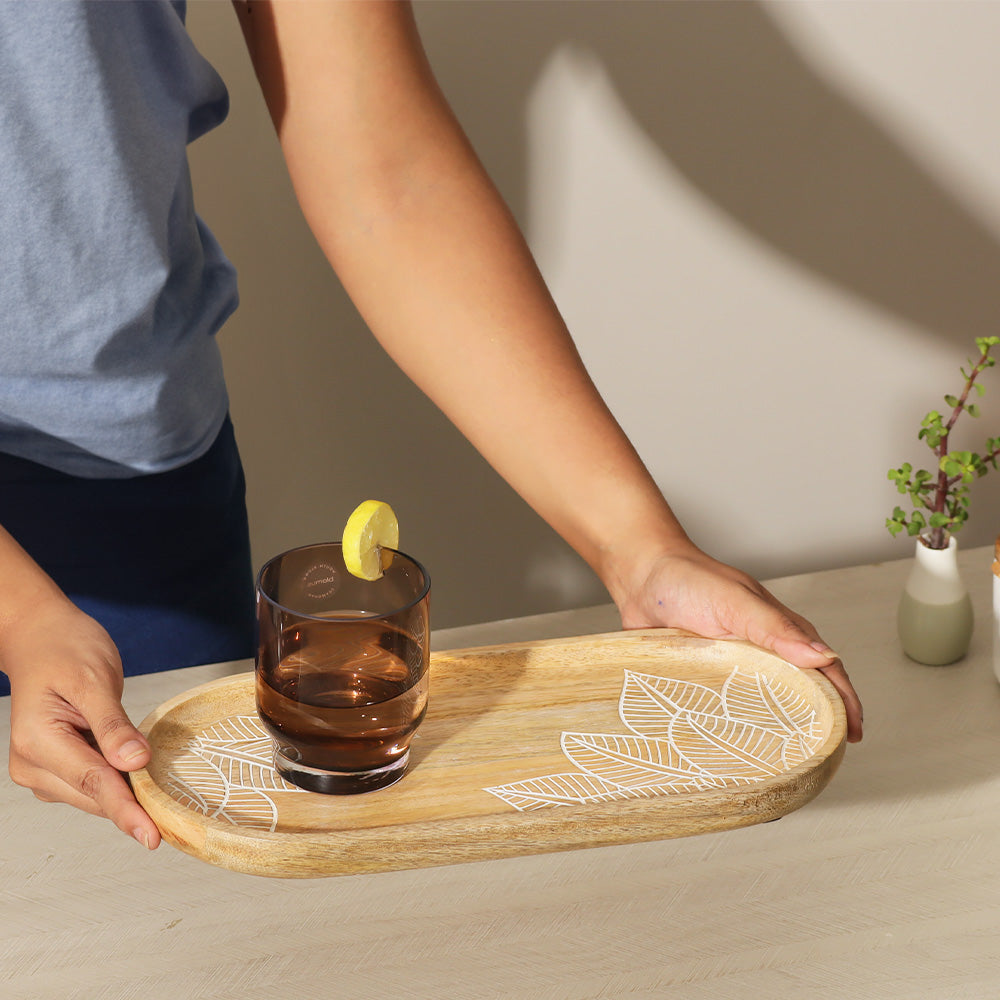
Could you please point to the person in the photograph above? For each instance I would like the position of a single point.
(113, 414)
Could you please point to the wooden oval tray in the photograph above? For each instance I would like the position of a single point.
(544, 746)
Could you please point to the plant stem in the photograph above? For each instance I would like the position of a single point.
(939, 536)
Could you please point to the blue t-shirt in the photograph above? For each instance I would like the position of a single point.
(111, 287)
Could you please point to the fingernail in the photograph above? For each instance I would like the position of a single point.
(141, 836)
(822, 647)
(131, 750)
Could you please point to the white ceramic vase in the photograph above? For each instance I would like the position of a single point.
(935, 610)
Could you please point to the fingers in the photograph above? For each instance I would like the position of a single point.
(75, 753)
(837, 676)
(796, 640)
(80, 776)
(122, 748)
(70, 736)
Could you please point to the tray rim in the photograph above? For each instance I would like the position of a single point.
(583, 825)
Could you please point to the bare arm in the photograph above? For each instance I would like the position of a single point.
(435, 263)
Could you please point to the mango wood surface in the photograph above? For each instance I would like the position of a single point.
(496, 720)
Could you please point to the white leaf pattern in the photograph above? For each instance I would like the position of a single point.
(735, 751)
(187, 794)
(768, 704)
(575, 788)
(754, 729)
(556, 790)
(227, 773)
(632, 760)
(647, 703)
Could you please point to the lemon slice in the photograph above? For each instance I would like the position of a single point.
(368, 535)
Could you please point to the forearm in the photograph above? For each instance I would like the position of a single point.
(468, 318)
(438, 268)
(25, 590)
(436, 265)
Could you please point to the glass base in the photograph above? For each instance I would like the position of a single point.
(316, 779)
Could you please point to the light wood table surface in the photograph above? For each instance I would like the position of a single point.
(887, 886)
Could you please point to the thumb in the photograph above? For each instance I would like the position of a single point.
(121, 744)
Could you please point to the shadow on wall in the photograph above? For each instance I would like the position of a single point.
(734, 105)
(324, 419)
(721, 90)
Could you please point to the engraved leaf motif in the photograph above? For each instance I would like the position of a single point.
(242, 751)
(240, 806)
(186, 786)
(734, 751)
(555, 790)
(633, 760)
(227, 773)
(248, 807)
(239, 732)
(684, 737)
(575, 788)
(200, 784)
(647, 703)
(769, 704)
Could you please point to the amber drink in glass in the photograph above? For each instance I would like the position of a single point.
(342, 667)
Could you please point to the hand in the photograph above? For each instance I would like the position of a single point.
(690, 590)
(70, 736)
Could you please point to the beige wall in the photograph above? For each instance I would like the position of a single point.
(772, 228)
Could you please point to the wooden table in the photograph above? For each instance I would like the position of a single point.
(886, 886)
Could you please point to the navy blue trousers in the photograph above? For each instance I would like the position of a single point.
(161, 561)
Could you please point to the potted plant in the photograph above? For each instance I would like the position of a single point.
(935, 612)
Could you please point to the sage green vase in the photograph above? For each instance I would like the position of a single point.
(935, 612)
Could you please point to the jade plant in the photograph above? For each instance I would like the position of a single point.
(940, 498)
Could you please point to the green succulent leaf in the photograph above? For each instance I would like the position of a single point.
(944, 494)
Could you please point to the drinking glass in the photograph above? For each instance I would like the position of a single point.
(342, 667)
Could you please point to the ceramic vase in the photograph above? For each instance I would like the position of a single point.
(935, 611)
